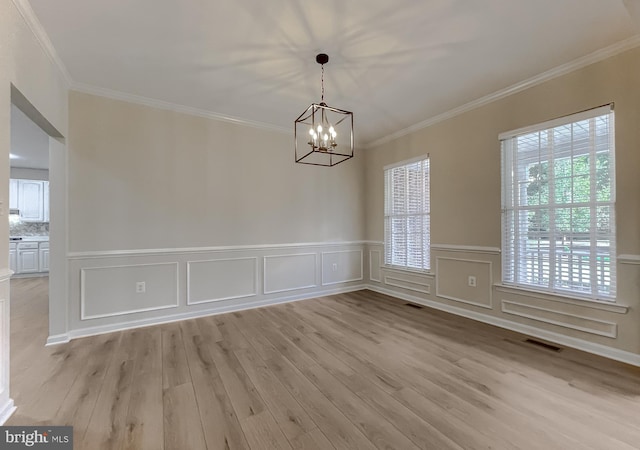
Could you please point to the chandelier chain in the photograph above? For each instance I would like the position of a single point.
(322, 82)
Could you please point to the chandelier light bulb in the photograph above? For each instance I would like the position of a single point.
(311, 132)
(319, 129)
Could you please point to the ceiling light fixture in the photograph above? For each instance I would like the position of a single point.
(323, 135)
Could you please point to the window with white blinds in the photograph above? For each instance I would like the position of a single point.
(406, 214)
(558, 197)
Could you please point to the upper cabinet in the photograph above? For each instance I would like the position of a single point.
(13, 193)
(32, 199)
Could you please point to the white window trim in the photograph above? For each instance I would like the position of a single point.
(406, 162)
(565, 120)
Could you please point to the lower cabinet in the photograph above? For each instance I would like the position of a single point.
(27, 257)
(13, 257)
(43, 257)
(28, 253)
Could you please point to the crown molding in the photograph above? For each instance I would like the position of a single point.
(168, 106)
(563, 69)
(33, 23)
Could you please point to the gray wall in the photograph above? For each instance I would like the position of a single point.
(144, 178)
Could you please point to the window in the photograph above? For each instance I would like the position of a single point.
(558, 196)
(406, 214)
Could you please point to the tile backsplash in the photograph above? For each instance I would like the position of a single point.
(19, 228)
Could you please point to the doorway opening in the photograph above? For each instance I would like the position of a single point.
(37, 219)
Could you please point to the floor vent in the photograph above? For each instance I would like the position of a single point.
(413, 305)
(543, 345)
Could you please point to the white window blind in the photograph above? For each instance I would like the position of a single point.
(558, 202)
(406, 214)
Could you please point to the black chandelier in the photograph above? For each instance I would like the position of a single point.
(323, 135)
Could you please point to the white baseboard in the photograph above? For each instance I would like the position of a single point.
(102, 329)
(57, 339)
(6, 411)
(30, 275)
(579, 344)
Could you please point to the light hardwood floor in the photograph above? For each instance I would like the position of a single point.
(353, 371)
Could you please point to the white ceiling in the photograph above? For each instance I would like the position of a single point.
(29, 143)
(393, 63)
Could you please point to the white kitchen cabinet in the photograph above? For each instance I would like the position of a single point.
(43, 257)
(13, 257)
(28, 257)
(31, 200)
(13, 193)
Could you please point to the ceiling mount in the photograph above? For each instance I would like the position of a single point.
(322, 58)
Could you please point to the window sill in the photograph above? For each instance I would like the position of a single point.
(427, 273)
(564, 298)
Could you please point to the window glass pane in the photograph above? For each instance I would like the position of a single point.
(580, 131)
(537, 185)
(562, 220)
(581, 165)
(399, 186)
(414, 197)
(581, 189)
(581, 223)
(603, 178)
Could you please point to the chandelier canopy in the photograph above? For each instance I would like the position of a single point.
(323, 134)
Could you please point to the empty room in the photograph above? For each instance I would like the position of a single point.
(308, 225)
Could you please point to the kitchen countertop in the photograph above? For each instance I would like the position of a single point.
(32, 238)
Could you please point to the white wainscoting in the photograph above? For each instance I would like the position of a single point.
(111, 290)
(342, 266)
(290, 272)
(6, 403)
(4, 349)
(465, 249)
(520, 292)
(375, 262)
(184, 283)
(409, 281)
(452, 281)
(561, 318)
(216, 280)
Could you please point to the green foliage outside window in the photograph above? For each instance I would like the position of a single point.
(572, 193)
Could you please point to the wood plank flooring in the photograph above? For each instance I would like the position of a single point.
(352, 371)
